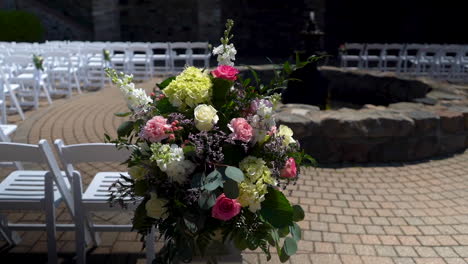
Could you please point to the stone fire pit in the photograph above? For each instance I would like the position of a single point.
(432, 120)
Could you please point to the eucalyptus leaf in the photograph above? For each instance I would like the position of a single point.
(234, 173)
(125, 128)
(231, 189)
(295, 231)
(206, 200)
(290, 246)
(213, 181)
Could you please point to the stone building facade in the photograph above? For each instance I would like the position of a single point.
(263, 27)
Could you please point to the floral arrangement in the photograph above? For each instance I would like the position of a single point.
(209, 162)
(38, 62)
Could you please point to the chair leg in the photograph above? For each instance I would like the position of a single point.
(50, 220)
(77, 83)
(80, 235)
(46, 92)
(150, 252)
(11, 237)
(14, 99)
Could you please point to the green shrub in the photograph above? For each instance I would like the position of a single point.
(20, 26)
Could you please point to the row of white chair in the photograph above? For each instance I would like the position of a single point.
(448, 62)
(144, 60)
(45, 190)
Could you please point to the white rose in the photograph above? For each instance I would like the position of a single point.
(287, 133)
(205, 117)
(155, 207)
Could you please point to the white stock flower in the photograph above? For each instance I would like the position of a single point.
(155, 207)
(135, 97)
(226, 54)
(205, 117)
(287, 133)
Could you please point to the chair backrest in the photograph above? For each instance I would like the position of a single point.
(393, 49)
(179, 47)
(374, 49)
(89, 152)
(200, 47)
(41, 153)
(354, 48)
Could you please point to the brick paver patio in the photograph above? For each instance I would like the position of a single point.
(373, 214)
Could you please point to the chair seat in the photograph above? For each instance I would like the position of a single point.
(26, 186)
(160, 56)
(98, 189)
(63, 69)
(25, 77)
(13, 87)
(8, 129)
(139, 60)
(95, 64)
(201, 56)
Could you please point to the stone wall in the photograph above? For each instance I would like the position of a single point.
(433, 121)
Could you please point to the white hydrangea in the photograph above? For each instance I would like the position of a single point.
(262, 122)
(226, 54)
(171, 160)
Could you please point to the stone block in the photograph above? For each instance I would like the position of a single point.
(426, 123)
(451, 122)
(422, 147)
(451, 143)
(463, 110)
(395, 149)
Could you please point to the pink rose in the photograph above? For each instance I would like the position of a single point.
(226, 72)
(225, 208)
(241, 130)
(156, 129)
(289, 170)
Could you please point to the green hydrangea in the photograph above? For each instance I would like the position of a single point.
(254, 187)
(190, 88)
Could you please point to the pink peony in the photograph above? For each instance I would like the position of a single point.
(241, 130)
(225, 208)
(226, 72)
(156, 129)
(289, 170)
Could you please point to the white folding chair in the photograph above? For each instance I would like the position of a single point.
(139, 61)
(372, 56)
(33, 82)
(94, 66)
(10, 90)
(448, 64)
(160, 57)
(391, 57)
(353, 54)
(61, 72)
(200, 52)
(179, 51)
(118, 51)
(33, 190)
(409, 55)
(427, 61)
(95, 197)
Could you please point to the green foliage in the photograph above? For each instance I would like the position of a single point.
(166, 82)
(20, 26)
(125, 128)
(213, 181)
(231, 189)
(220, 90)
(298, 213)
(276, 209)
